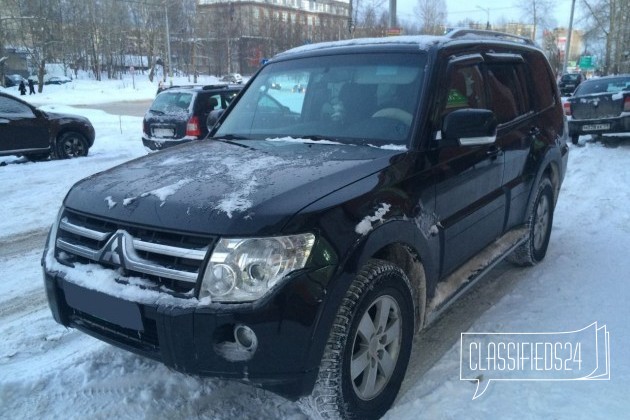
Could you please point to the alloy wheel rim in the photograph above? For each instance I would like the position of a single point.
(73, 147)
(376, 347)
(541, 222)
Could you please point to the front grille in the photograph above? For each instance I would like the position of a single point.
(165, 259)
(146, 340)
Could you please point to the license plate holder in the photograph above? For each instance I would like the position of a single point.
(595, 127)
(163, 132)
(108, 308)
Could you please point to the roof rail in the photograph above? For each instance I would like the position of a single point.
(202, 87)
(461, 32)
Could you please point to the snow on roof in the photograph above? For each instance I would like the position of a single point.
(422, 41)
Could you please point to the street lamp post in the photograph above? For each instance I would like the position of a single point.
(487, 10)
(567, 47)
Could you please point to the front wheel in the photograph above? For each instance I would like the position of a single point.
(575, 139)
(534, 249)
(71, 145)
(368, 349)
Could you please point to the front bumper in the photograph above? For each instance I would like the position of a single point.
(619, 124)
(199, 340)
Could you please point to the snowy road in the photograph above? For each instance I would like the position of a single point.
(47, 371)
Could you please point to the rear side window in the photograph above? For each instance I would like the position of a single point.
(543, 82)
(508, 90)
(227, 98)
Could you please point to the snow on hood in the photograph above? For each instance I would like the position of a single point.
(215, 187)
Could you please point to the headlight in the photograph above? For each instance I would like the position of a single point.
(242, 270)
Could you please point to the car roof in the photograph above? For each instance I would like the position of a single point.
(460, 36)
(201, 88)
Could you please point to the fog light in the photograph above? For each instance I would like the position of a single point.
(245, 337)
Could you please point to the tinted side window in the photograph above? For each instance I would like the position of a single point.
(9, 106)
(227, 98)
(507, 91)
(465, 89)
(543, 81)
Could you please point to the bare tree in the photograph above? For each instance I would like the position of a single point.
(538, 12)
(432, 16)
(612, 19)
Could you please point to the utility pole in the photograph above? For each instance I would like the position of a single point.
(393, 23)
(487, 10)
(567, 48)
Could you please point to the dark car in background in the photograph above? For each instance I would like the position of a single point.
(569, 82)
(13, 80)
(37, 135)
(179, 114)
(599, 106)
(57, 80)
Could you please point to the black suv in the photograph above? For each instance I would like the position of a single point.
(568, 82)
(179, 114)
(301, 249)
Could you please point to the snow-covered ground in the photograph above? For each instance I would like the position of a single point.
(47, 371)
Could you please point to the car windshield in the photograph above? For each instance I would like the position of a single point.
(172, 102)
(612, 85)
(353, 98)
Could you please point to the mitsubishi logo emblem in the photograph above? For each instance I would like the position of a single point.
(115, 250)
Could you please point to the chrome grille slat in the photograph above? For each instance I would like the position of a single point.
(83, 231)
(193, 254)
(79, 250)
(167, 259)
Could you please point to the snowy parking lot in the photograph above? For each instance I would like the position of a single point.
(47, 371)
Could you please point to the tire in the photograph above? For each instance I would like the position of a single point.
(575, 139)
(540, 221)
(366, 389)
(71, 145)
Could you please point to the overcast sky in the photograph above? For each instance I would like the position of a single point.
(461, 9)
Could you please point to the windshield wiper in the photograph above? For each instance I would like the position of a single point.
(230, 137)
(315, 137)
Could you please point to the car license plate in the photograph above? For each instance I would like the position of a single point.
(163, 132)
(593, 127)
(108, 308)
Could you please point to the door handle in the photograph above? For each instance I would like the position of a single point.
(493, 152)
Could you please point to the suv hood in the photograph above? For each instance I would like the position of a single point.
(60, 116)
(216, 187)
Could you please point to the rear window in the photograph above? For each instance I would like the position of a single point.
(614, 85)
(570, 77)
(172, 103)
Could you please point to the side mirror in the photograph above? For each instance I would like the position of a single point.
(213, 117)
(470, 127)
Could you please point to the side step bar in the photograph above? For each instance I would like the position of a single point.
(462, 279)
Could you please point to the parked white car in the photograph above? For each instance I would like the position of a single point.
(232, 78)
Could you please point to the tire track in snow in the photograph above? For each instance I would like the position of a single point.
(18, 244)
